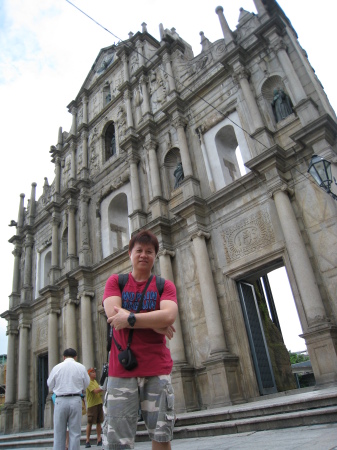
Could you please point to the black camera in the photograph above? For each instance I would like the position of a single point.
(127, 359)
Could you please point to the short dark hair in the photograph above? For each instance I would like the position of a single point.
(69, 353)
(144, 237)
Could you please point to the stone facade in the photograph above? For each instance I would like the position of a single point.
(145, 106)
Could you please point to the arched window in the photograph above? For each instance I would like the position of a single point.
(118, 223)
(110, 142)
(227, 148)
(171, 161)
(47, 266)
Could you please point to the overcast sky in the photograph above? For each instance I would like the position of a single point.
(48, 48)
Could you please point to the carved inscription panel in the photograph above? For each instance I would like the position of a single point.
(248, 235)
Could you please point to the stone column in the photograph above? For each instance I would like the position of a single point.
(53, 341)
(32, 205)
(260, 8)
(177, 343)
(150, 146)
(71, 228)
(73, 125)
(16, 270)
(127, 100)
(57, 175)
(85, 250)
(256, 119)
(168, 68)
(125, 67)
(26, 292)
(208, 293)
(135, 189)
(179, 124)
(23, 361)
(55, 251)
(59, 145)
(85, 150)
(10, 368)
(85, 109)
(71, 336)
(226, 31)
(146, 100)
(21, 213)
(86, 324)
(73, 161)
(294, 82)
(305, 277)
(206, 160)
(139, 46)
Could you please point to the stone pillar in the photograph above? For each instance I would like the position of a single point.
(73, 161)
(71, 228)
(57, 175)
(127, 100)
(168, 68)
(85, 150)
(208, 293)
(319, 333)
(26, 292)
(11, 371)
(256, 119)
(55, 252)
(53, 340)
(305, 277)
(206, 160)
(179, 124)
(135, 189)
(59, 145)
(150, 146)
(177, 343)
(73, 125)
(21, 213)
(85, 109)
(32, 205)
(146, 100)
(85, 255)
(226, 31)
(125, 67)
(88, 359)
(139, 46)
(23, 361)
(260, 8)
(16, 270)
(71, 336)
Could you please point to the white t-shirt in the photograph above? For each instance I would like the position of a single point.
(68, 377)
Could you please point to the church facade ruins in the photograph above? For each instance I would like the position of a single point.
(155, 143)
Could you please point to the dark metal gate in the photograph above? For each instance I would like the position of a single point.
(257, 340)
(42, 370)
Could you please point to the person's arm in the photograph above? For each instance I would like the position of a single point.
(97, 390)
(51, 381)
(162, 318)
(109, 304)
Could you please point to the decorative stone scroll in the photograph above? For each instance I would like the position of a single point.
(249, 235)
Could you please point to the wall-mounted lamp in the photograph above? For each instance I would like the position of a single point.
(320, 170)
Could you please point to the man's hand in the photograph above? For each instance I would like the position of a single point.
(120, 319)
(167, 331)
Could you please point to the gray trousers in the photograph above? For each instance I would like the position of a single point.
(67, 411)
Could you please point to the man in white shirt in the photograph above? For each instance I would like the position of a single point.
(67, 380)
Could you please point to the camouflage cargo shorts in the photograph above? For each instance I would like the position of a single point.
(121, 406)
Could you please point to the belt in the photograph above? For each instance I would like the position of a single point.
(69, 395)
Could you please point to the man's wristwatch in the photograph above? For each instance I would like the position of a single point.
(132, 320)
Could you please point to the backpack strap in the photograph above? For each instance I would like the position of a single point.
(122, 280)
(160, 282)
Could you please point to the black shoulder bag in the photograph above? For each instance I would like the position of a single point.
(126, 357)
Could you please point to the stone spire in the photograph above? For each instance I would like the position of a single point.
(227, 33)
(205, 44)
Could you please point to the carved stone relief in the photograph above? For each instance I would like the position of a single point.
(66, 171)
(158, 87)
(248, 235)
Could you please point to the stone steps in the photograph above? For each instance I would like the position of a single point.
(284, 411)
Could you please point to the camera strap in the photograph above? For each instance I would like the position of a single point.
(138, 309)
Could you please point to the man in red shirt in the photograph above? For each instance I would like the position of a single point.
(150, 381)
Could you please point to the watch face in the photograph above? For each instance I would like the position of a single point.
(131, 319)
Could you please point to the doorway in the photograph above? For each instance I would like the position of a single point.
(42, 371)
(265, 329)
